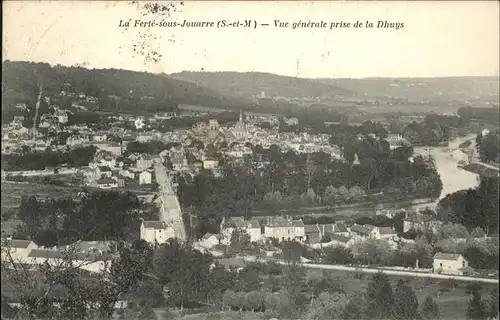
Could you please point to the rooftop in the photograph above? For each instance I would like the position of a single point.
(339, 238)
(20, 244)
(311, 228)
(360, 229)
(340, 227)
(447, 256)
(386, 230)
(158, 225)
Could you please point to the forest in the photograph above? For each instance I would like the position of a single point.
(473, 208)
(39, 160)
(275, 179)
(116, 90)
(488, 147)
(96, 215)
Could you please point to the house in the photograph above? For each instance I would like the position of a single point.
(284, 229)
(252, 227)
(90, 262)
(156, 232)
(450, 263)
(337, 240)
(417, 221)
(107, 183)
(254, 230)
(18, 250)
(105, 171)
(210, 164)
(145, 177)
(299, 230)
(144, 162)
(340, 228)
(396, 141)
(209, 241)
(360, 232)
(77, 140)
(386, 233)
(109, 146)
(313, 234)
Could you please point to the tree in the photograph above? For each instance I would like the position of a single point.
(227, 299)
(380, 299)
(327, 306)
(62, 282)
(430, 309)
(254, 300)
(240, 240)
(492, 304)
(356, 193)
(338, 255)
(478, 232)
(476, 309)
(405, 305)
(357, 307)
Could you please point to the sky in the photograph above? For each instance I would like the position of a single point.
(438, 38)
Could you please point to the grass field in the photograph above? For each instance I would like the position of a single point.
(12, 192)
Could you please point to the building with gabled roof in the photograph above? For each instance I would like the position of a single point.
(228, 225)
(156, 231)
(450, 263)
(209, 240)
(17, 250)
(284, 229)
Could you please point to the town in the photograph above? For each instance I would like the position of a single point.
(258, 173)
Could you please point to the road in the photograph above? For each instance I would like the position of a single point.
(487, 165)
(170, 210)
(388, 272)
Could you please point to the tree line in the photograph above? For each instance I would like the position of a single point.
(488, 147)
(477, 207)
(95, 215)
(39, 160)
(303, 179)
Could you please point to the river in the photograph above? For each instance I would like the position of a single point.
(453, 178)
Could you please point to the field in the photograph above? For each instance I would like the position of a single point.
(12, 192)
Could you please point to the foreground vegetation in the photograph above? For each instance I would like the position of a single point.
(176, 276)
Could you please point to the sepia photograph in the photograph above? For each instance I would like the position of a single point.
(250, 160)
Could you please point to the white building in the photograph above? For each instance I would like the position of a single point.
(450, 263)
(144, 162)
(228, 225)
(284, 229)
(156, 231)
(145, 177)
(210, 164)
(209, 241)
(18, 250)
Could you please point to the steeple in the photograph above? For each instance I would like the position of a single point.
(241, 115)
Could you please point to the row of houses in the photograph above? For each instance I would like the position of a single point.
(93, 256)
(278, 228)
